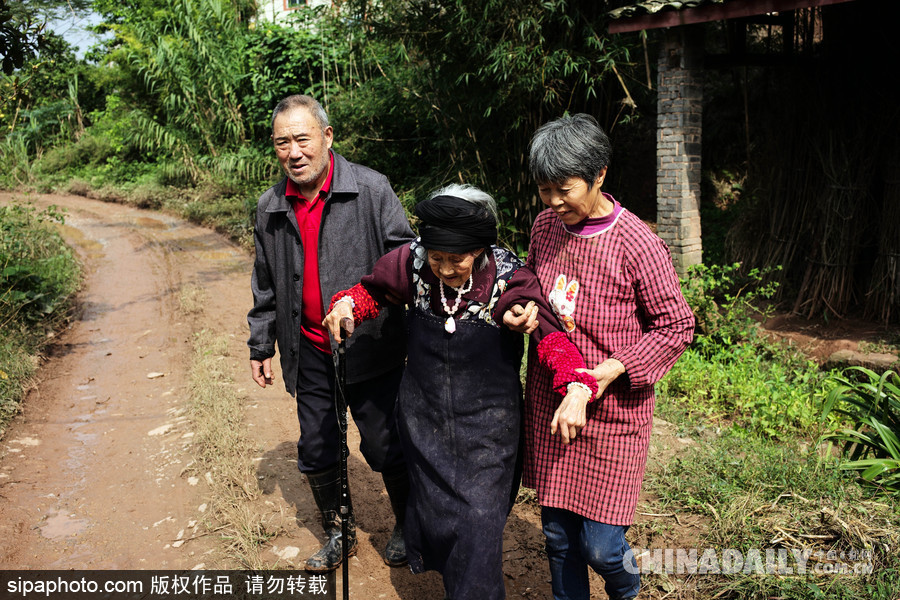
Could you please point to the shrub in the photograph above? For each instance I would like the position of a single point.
(38, 275)
(871, 402)
(727, 303)
(37, 271)
(743, 388)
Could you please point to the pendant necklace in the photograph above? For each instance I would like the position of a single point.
(450, 324)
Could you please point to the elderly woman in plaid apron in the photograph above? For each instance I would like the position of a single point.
(611, 284)
(459, 405)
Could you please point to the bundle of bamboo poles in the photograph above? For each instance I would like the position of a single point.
(840, 226)
(820, 215)
(883, 297)
(776, 231)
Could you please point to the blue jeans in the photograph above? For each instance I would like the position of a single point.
(575, 543)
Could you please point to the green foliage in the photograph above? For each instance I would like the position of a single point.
(105, 139)
(45, 101)
(20, 38)
(20, 169)
(312, 56)
(732, 466)
(743, 388)
(42, 108)
(732, 374)
(465, 83)
(871, 403)
(38, 275)
(16, 367)
(420, 91)
(37, 271)
(188, 55)
(727, 303)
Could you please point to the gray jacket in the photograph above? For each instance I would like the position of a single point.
(362, 220)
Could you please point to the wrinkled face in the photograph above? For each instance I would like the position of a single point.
(452, 269)
(571, 199)
(302, 148)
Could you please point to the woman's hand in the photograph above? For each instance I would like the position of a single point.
(605, 373)
(522, 320)
(571, 416)
(341, 310)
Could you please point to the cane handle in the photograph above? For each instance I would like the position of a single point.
(347, 325)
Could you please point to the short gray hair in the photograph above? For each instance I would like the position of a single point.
(478, 197)
(571, 146)
(302, 101)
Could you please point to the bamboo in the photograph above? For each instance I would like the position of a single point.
(820, 219)
(883, 296)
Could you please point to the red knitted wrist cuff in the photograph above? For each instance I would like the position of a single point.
(585, 378)
(364, 305)
(557, 352)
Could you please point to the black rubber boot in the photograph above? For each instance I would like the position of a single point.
(396, 482)
(326, 490)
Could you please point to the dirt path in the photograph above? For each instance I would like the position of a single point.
(91, 474)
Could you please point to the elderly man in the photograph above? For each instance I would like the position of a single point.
(319, 231)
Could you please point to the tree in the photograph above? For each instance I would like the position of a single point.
(20, 37)
(183, 63)
(472, 80)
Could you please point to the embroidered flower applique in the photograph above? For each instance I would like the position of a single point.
(562, 301)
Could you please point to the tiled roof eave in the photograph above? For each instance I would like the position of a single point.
(650, 7)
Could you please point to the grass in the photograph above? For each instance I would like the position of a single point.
(224, 453)
(880, 347)
(760, 493)
(766, 495)
(745, 389)
(17, 366)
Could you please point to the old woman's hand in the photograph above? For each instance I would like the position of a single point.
(341, 310)
(524, 320)
(571, 416)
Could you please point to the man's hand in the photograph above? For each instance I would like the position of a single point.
(571, 416)
(523, 320)
(261, 372)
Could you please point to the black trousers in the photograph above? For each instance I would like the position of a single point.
(371, 404)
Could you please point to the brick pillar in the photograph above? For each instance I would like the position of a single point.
(678, 126)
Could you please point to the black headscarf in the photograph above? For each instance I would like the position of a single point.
(451, 224)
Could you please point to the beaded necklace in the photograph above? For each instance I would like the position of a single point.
(450, 324)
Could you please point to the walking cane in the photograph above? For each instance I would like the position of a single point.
(341, 407)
